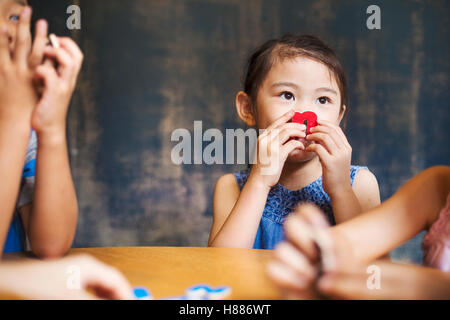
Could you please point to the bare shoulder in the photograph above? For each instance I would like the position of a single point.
(366, 189)
(365, 178)
(227, 181)
(226, 191)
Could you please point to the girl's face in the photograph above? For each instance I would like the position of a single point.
(9, 16)
(301, 84)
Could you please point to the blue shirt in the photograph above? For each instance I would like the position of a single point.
(281, 202)
(16, 236)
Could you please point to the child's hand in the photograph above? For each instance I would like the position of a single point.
(17, 94)
(296, 260)
(335, 155)
(296, 265)
(273, 148)
(72, 278)
(59, 82)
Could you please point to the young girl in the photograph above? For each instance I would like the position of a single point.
(294, 73)
(46, 211)
(423, 203)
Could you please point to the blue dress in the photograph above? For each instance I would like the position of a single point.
(281, 202)
(16, 238)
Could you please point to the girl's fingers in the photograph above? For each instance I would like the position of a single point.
(23, 39)
(293, 125)
(281, 120)
(286, 134)
(5, 56)
(338, 131)
(285, 277)
(320, 151)
(324, 139)
(73, 50)
(40, 41)
(301, 235)
(331, 132)
(276, 138)
(107, 283)
(47, 73)
(289, 147)
(292, 257)
(66, 67)
(71, 47)
(318, 222)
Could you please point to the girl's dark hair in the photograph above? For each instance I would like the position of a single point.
(289, 47)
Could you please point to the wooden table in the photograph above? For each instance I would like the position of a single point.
(169, 271)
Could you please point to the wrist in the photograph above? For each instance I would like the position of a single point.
(342, 191)
(258, 183)
(51, 137)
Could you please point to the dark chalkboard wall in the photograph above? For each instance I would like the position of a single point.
(154, 66)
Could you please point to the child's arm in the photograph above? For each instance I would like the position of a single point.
(412, 209)
(397, 281)
(17, 100)
(335, 155)
(14, 135)
(50, 221)
(237, 215)
(363, 196)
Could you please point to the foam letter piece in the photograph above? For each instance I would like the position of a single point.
(206, 292)
(142, 293)
(308, 118)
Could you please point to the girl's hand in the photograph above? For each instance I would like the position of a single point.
(273, 148)
(59, 82)
(17, 93)
(335, 155)
(296, 264)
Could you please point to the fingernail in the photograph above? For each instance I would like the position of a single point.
(41, 24)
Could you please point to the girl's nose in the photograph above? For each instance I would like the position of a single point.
(304, 108)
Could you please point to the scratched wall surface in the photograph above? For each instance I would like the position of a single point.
(154, 66)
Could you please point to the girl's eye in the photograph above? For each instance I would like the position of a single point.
(14, 17)
(323, 100)
(287, 96)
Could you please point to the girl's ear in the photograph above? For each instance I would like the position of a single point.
(244, 109)
(342, 113)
